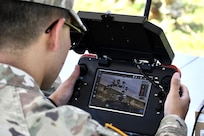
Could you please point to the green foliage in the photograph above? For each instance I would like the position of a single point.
(185, 36)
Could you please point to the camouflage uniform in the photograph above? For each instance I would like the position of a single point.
(25, 111)
(172, 125)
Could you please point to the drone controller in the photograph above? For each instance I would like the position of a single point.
(127, 80)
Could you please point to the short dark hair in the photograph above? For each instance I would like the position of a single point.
(22, 22)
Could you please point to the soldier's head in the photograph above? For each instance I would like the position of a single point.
(23, 20)
(41, 28)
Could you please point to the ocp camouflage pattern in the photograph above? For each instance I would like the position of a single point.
(68, 4)
(25, 111)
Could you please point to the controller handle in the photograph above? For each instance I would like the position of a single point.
(83, 70)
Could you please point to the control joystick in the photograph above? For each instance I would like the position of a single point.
(83, 69)
(165, 82)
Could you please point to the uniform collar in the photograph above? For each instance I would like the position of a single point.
(16, 77)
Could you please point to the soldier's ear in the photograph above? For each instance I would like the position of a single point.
(54, 34)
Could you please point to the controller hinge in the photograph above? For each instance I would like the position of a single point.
(145, 65)
(104, 61)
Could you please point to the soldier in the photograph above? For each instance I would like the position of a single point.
(34, 42)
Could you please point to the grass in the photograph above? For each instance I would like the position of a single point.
(188, 38)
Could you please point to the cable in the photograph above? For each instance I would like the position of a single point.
(194, 126)
(107, 125)
(150, 80)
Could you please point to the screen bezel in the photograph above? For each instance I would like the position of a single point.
(131, 95)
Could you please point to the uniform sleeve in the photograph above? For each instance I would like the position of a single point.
(172, 125)
(63, 121)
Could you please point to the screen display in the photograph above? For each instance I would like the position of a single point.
(120, 92)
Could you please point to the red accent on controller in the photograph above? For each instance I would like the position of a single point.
(173, 67)
(89, 55)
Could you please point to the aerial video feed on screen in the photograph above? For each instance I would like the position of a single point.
(120, 92)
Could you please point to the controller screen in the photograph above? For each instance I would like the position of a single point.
(120, 92)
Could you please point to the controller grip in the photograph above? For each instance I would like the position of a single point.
(165, 81)
(173, 67)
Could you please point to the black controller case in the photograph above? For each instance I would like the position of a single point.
(119, 40)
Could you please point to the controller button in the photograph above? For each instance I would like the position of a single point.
(76, 94)
(165, 82)
(83, 69)
(159, 107)
(161, 95)
(79, 83)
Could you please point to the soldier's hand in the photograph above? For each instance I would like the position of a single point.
(176, 104)
(64, 92)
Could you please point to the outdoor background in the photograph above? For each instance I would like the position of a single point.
(185, 34)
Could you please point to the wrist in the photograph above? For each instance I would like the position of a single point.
(52, 101)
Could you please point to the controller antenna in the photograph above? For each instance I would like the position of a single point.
(147, 8)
